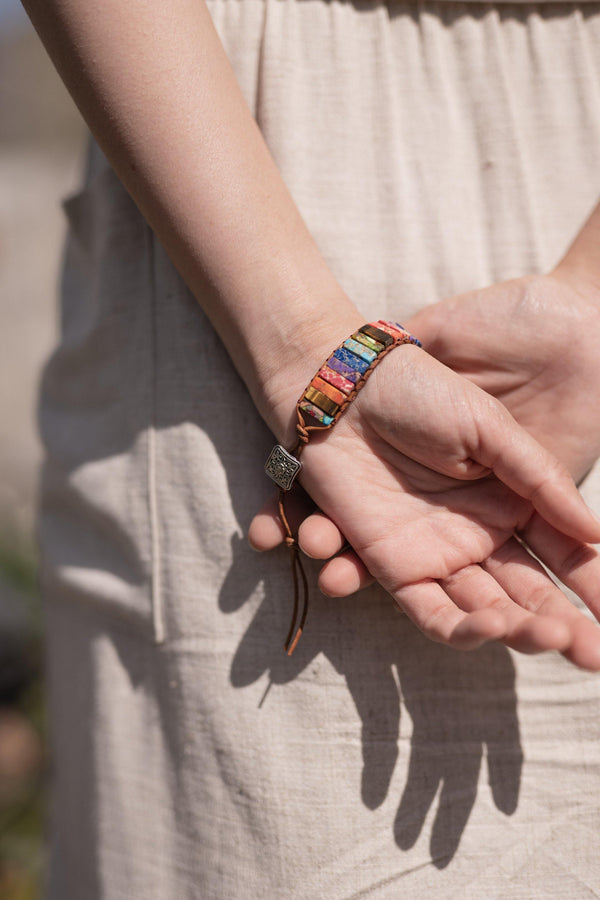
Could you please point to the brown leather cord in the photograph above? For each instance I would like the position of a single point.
(296, 561)
(290, 645)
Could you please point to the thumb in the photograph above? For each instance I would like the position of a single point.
(532, 472)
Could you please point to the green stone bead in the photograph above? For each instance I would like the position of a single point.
(368, 341)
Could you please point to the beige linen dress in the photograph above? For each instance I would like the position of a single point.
(432, 147)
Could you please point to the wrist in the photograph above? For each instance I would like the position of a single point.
(580, 266)
(582, 279)
(288, 370)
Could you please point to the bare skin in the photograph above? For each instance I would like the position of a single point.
(154, 85)
(532, 343)
(434, 525)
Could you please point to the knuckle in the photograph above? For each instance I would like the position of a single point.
(537, 596)
(435, 625)
(575, 560)
(553, 472)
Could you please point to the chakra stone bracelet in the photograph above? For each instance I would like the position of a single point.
(333, 388)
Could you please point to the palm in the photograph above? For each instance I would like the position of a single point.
(532, 343)
(392, 477)
(426, 525)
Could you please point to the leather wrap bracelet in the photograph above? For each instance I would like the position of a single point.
(333, 388)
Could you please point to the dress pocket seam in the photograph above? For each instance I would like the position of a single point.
(157, 609)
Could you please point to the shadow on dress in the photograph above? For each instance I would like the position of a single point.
(453, 710)
(462, 706)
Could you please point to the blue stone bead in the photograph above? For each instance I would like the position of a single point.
(359, 365)
(360, 350)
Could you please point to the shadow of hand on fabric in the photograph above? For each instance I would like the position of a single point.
(462, 705)
(463, 710)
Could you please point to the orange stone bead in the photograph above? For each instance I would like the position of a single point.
(328, 389)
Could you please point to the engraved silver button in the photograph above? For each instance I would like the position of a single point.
(282, 467)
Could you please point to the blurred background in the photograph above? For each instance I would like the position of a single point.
(41, 156)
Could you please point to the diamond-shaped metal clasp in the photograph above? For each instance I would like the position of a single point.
(282, 467)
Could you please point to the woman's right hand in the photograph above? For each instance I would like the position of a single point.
(533, 344)
(429, 478)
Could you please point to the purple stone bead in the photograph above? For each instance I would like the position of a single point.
(343, 369)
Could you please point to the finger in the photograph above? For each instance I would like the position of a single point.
(319, 537)
(440, 619)
(574, 563)
(527, 468)
(523, 577)
(344, 575)
(473, 588)
(266, 529)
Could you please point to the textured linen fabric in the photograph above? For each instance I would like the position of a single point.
(432, 148)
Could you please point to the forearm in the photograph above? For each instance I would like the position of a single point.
(158, 93)
(581, 263)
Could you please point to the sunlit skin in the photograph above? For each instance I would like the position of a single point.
(404, 475)
(532, 343)
(144, 72)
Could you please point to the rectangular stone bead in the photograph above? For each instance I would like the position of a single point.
(315, 412)
(395, 330)
(377, 334)
(360, 350)
(368, 342)
(336, 379)
(328, 389)
(314, 396)
(351, 359)
(338, 363)
(399, 332)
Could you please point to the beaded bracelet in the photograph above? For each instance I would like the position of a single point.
(333, 388)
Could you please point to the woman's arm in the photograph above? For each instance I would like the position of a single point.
(154, 84)
(580, 266)
(533, 343)
(157, 90)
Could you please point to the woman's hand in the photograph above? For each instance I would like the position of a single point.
(532, 343)
(395, 476)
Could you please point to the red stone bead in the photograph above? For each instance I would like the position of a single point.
(337, 380)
